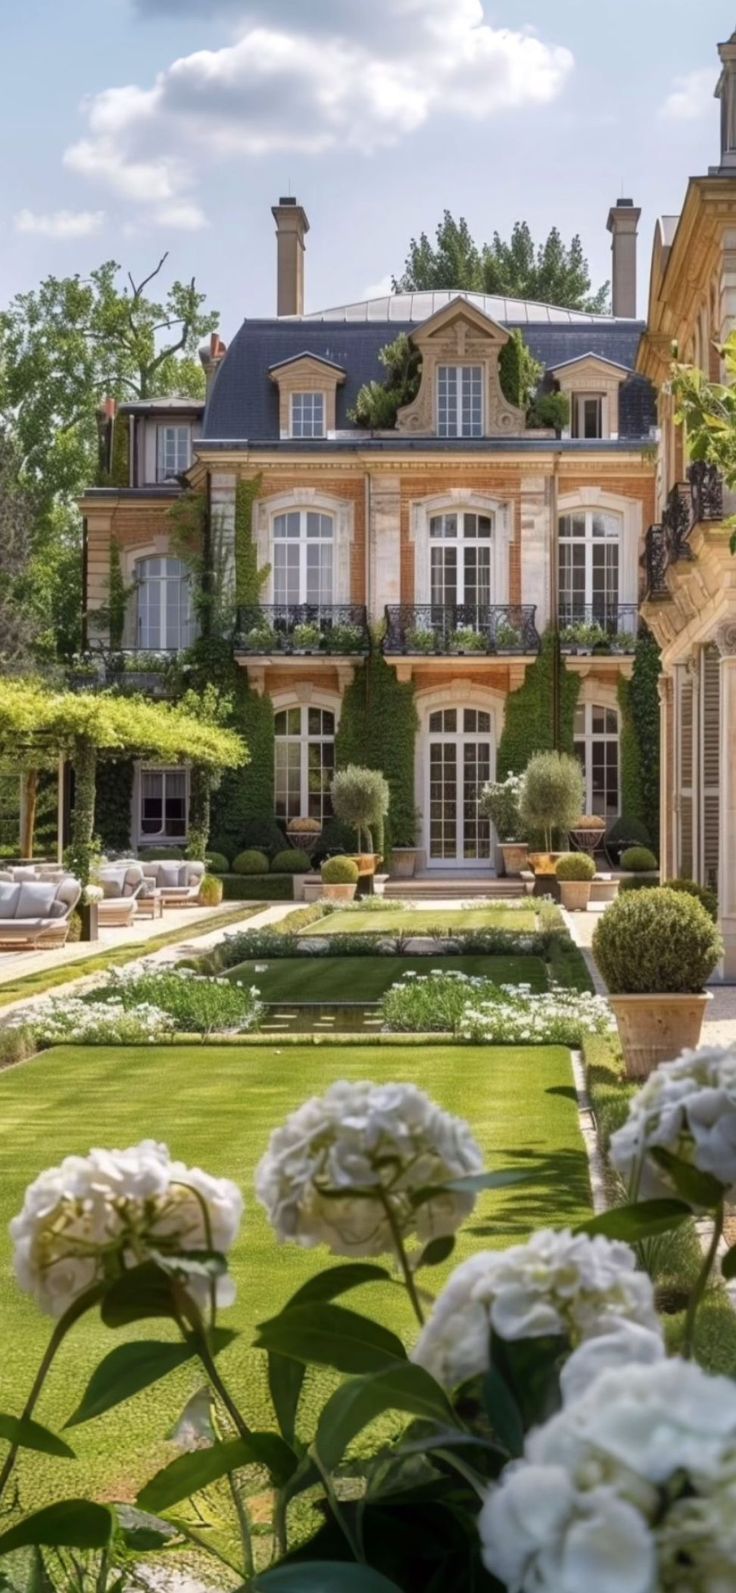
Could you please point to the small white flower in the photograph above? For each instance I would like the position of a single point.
(331, 1170)
(557, 1283)
(689, 1108)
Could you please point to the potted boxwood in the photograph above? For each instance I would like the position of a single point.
(360, 797)
(339, 879)
(404, 848)
(574, 874)
(640, 868)
(656, 949)
(551, 800)
(499, 801)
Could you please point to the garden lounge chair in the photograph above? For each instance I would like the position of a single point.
(36, 913)
(179, 883)
(121, 886)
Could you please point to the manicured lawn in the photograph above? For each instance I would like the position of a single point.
(422, 921)
(216, 1107)
(299, 979)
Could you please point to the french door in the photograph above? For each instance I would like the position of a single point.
(460, 761)
(460, 560)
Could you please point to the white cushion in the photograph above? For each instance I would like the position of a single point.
(9, 898)
(25, 871)
(112, 881)
(170, 874)
(35, 899)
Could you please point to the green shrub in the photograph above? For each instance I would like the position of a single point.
(340, 871)
(361, 797)
(163, 853)
(638, 860)
(75, 929)
(638, 882)
(702, 893)
(217, 862)
(210, 891)
(627, 832)
(257, 887)
(553, 794)
(250, 862)
(656, 941)
(16, 1045)
(291, 862)
(575, 866)
(499, 801)
(336, 838)
(198, 1004)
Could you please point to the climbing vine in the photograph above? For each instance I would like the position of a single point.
(630, 772)
(644, 702)
(249, 579)
(378, 727)
(529, 725)
(113, 803)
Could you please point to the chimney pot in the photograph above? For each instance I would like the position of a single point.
(291, 229)
(623, 225)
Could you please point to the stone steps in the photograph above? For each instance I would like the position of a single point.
(452, 889)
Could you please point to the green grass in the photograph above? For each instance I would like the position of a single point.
(35, 984)
(299, 979)
(217, 1107)
(421, 921)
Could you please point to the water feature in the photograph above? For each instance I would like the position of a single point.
(318, 1017)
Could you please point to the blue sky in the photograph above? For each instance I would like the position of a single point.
(133, 126)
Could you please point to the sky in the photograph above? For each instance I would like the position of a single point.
(132, 127)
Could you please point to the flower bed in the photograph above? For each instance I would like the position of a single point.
(144, 1003)
(477, 1009)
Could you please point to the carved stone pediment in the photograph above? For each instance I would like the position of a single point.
(460, 334)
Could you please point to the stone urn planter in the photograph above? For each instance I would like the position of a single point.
(655, 1028)
(403, 861)
(575, 894)
(515, 855)
(338, 893)
(604, 888)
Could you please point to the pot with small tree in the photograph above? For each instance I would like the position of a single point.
(656, 949)
(360, 797)
(551, 801)
(574, 873)
(500, 802)
(339, 879)
(404, 847)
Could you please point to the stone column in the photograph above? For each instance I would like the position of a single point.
(537, 545)
(384, 545)
(725, 639)
(666, 776)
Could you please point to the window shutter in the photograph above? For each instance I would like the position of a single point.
(685, 867)
(711, 707)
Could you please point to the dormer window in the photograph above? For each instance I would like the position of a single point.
(460, 400)
(174, 452)
(587, 415)
(307, 414)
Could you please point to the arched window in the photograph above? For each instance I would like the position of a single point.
(165, 621)
(460, 547)
(589, 567)
(597, 747)
(304, 762)
(303, 557)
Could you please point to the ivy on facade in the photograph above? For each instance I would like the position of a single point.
(644, 702)
(531, 711)
(378, 727)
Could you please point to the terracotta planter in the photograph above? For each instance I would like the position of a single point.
(338, 893)
(655, 1028)
(575, 894)
(544, 862)
(515, 855)
(367, 862)
(403, 861)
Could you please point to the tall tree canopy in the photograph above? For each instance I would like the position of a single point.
(549, 272)
(64, 347)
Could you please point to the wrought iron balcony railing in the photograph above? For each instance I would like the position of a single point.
(598, 627)
(130, 669)
(698, 501)
(706, 488)
(461, 628)
(655, 560)
(334, 629)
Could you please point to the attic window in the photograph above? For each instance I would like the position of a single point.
(587, 415)
(174, 452)
(307, 414)
(460, 400)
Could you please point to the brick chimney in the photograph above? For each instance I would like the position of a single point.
(623, 224)
(211, 356)
(291, 228)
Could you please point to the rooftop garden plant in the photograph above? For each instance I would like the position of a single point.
(378, 403)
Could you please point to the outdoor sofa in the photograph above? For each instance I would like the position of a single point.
(35, 912)
(179, 883)
(121, 886)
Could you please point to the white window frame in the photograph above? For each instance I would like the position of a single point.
(185, 625)
(149, 837)
(451, 399)
(463, 538)
(304, 542)
(301, 427)
(579, 401)
(173, 450)
(589, 541)
(587, 741)
(303, 740)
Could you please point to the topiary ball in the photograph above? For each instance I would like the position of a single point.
(575, 866)
(291, 862)
(250, 862)
(656, 941)
(217, 863)
(340, 871)
(639, 860)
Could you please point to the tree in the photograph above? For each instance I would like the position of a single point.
(549, 272)
(707, 410)
(19, 623)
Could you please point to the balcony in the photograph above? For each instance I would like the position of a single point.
(131, 670)
(598, 628)
(706, 489)
(335, 630)
(698, 501)
(460, 630)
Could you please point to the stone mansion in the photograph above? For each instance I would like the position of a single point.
(454, 541)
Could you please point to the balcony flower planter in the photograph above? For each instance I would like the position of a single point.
(654, 1028)
(403, 861)
(515, 857)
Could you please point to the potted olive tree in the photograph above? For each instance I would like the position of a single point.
(499, 802)
(551, 800)
(360, 797)
(404, 846)
(656, 949)
(574, 872)
(339, 879)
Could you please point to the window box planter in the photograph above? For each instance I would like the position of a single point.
(654, 1028)
(515, 857)
(403, 861)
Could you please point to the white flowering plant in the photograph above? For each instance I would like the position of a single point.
(476, 1008)
(543, 1441)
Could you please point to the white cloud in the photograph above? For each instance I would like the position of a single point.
(379, 289)
(690, 97)
(307, 79)
(59, 223)
(184, 215)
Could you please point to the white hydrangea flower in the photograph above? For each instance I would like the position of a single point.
(318, 1177)
(630, 1489)
(621, 1343)
(689, 1108)
(557, 1283)
(93, 1216)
